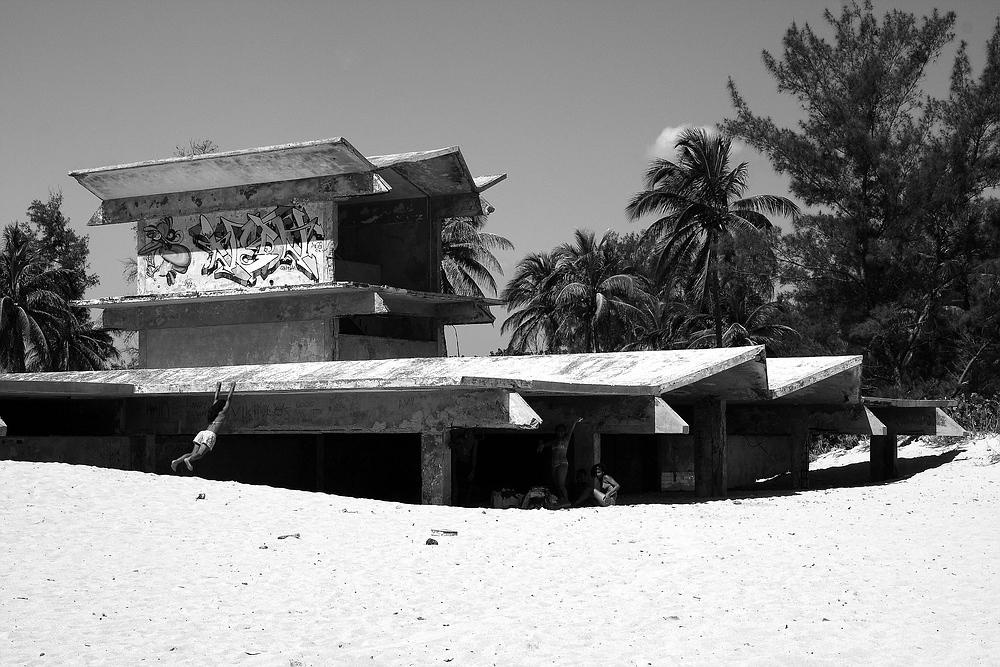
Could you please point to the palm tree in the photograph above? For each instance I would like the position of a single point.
(32, 307)
(39, 329)
(84, 347)
(467, 259)
(701, 200)
(530, 298)
(754, 326)
(600, 290)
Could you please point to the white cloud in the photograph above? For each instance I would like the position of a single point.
(664, 146)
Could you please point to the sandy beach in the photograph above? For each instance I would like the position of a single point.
(104, 567)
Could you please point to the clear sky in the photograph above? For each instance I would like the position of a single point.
(568, 98)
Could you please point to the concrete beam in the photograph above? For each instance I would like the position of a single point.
(62, 388)
(326, 188)
(781, 419)
(347, 412)
(610, 414)
(924, 420)
(237, 311)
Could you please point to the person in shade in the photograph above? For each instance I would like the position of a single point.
(560, 464)
(581, 492)
(605, 486)
(204, 442)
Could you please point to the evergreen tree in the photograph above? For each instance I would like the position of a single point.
(59, 246)
(897, 246)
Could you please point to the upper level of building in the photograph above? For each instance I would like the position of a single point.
(346, 246)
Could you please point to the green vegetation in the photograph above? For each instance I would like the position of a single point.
(43, 267)
(896, 254)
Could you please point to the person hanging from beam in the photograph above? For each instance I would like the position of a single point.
(204, 442)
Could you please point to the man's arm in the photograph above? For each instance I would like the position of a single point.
(232, 388)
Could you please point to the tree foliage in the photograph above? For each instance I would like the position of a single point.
(898, 257)
(467, 259)
(700, 198)
(43, 268)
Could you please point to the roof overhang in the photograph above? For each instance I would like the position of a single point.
(287, 162)
(815, 380)
(151, 311)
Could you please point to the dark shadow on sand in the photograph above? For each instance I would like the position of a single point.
(851, 475)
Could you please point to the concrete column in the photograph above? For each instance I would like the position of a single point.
(799, 464)
(711, 467)
(320, 462)
(150, 454)
(586, 449)
(883, 455)
(435, 468)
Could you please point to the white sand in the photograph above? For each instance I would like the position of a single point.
(103, 567)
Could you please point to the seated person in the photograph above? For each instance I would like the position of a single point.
(605, 487)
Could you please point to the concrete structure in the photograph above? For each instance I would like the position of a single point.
(310, 276)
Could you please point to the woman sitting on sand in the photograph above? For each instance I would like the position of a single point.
(605, 486)
(204, 442)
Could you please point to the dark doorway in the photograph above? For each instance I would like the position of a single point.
(632, 460)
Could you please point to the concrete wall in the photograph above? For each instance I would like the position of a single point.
(350, 348)
(103, 452)
(251, 248)
(227, 345)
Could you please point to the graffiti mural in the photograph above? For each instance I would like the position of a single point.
(250, 251)
(165, 255)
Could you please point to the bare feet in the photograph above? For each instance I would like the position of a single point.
(173, 464)
(187, 462)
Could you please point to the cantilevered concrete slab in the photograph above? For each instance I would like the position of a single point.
(40, 385)
(815, 380)
(733, 374)
(425, 173)
(617, 374)
(905, 416)
(326, 157)
(239, 306)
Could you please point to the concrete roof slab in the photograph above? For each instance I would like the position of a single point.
(287, 162)
(815, 380)
(624, 373)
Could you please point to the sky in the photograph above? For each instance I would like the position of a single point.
(569, 98)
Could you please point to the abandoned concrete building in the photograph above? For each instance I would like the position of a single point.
(310, 275)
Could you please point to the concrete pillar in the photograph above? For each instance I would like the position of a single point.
(586, 449)
(799, 464)
(711, 467)
(150, 454)
(435, 468)
(320, 462)
(883, 455)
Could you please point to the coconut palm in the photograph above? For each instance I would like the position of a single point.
(700, 200)
(754, 326)
(82, 346)
(32, 307)
(39, 329)
(467, 259)
(530, 298)
(600, 290)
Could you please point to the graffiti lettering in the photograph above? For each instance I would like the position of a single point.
(246, 252)
(165, 255)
